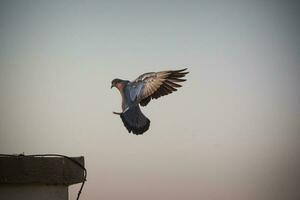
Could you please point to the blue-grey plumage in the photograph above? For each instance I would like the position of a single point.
(148, 86)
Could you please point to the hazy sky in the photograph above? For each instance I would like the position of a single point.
(232, 131)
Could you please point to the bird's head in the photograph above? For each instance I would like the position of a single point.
(115, 82)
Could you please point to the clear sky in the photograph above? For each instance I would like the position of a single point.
(232, 131)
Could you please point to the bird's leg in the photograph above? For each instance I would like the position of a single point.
(117, 113)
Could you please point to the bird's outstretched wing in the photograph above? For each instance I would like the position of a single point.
(157, 84)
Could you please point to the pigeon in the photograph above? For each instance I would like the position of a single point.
(141, 91)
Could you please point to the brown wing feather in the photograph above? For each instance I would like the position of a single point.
(145, 101)
(160, 84)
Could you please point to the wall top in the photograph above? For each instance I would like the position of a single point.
(41, 170)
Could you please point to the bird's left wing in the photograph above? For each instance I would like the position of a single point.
(157, 84)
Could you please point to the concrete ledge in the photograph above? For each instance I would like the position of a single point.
(33, 192)
(40, 170)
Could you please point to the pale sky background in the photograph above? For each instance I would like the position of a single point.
(232, 131)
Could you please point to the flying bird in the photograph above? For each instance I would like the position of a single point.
(151, 85)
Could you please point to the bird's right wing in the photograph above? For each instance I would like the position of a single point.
(157, 84)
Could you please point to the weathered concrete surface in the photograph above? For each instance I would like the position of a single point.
(40, 170)
(33, 192)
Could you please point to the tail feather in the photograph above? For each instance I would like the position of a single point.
(134, 120)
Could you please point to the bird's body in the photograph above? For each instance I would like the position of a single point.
(148, 86)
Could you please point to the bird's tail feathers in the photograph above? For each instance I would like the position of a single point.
(135, 121)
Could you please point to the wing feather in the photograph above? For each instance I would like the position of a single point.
(172, 84)
(157, 84)
(177, 80)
